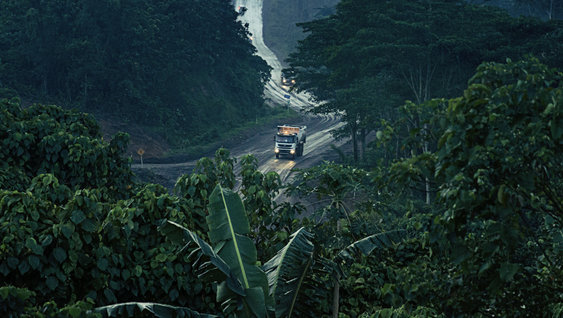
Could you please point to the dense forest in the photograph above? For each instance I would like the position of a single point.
(455, 209)
(184, 69)
(371, 56)
(282, 34)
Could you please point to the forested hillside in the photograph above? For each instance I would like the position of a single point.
(370, 57)
(183, 69)
(280, 17)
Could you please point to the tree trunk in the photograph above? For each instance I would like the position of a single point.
(355, 142)
(396, 148)
(44, 84)
(425, 150)
(364, 146)
(336, 297)
(85, 86)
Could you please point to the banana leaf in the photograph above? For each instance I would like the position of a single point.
(134, 309)
(287, 270)
(228, 227)
(368, 244)
(219, 271)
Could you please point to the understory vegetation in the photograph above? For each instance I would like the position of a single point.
(470, 228)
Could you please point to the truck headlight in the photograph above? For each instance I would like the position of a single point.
(292, 151)
(276, 150)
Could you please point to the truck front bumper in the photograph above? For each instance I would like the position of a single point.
(282, 151)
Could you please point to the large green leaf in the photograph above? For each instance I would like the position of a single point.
(228, 225)
(133, 309)
(287, 270)
(220, 271)
(368, 244)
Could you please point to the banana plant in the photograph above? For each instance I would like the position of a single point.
(243, 289)
(263, 292)
(231, 261)
(287, 272)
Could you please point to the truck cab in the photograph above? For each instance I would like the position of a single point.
(290, 141)
(287, 83)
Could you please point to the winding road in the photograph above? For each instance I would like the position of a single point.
(261, 144)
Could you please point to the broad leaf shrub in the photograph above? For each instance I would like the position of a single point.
(48, 139)
(88, 249)
(501, 160)
(489, 242)
(82, 230)
(20, 302)
(139, 264)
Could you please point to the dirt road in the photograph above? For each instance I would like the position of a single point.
(317, 147)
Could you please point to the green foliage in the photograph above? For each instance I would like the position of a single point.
(74, 240)
(271, 220)
(402, 312)
(231, 261)
(206, 175)
(343, 211)
(138, 309)
(114, 251)
(20, 302)
(243, 287)
(212, 267)
(287, 270)
(47, 139)
(140, 265)
(370, 56)
(490, 242)
(228, 229)
(501, 160)
(182, 68)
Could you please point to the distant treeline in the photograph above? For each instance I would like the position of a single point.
(186, 65)
(281, 16)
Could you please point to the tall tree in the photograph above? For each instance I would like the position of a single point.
(420, 49)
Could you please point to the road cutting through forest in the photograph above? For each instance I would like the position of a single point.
(261, 145)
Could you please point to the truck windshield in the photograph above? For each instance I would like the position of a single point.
(289, 139)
